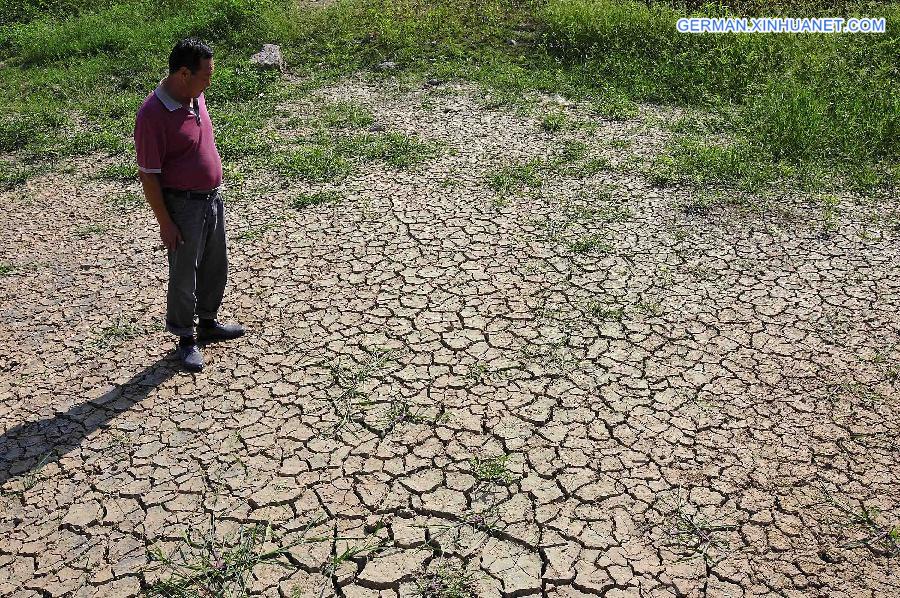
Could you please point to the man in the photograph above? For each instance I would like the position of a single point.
(181, 171)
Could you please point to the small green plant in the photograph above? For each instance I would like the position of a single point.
(491, 469)
(119, 171)
(91, 230)
(6, 269)
(694, 536)
(400, 411)
(399, 150)
(30, 478)
(349, 404)
(574, 150)
(605, 311)
(554, 121)
(477, 373)
(446, 581)
(305, 200)
(127, 202)
(830, 211)
(116, 332)
(256, 232)
(590, 244)
(313, 164)
(614, 105)
(511, 179)
(207, 565)
(345, 115)
(882, 540)
(369, 546)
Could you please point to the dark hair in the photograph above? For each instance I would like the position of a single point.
(188, 52)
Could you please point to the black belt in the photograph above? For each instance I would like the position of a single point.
(198, 195)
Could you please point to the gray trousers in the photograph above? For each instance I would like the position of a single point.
(198, 268)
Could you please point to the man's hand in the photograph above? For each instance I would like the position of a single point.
(170, 235)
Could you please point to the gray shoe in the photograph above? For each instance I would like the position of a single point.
(191, 357)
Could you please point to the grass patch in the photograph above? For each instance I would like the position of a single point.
(344, 115)
(554, 121)
(116, 333)
(312, 164)
(317, 198)
(91, 230)
(75, 73)
(491, 469)
(605, 311)
(126, 202)
(332, 157)
(513, 178)
(119, 171)
(446, 581)
(590, 244)
(6, 269)
(206, 563)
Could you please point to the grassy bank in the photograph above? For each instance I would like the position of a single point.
(823, 109)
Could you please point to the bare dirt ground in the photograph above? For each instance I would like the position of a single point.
(591, 387)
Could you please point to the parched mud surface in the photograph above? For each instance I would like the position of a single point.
(594, 387)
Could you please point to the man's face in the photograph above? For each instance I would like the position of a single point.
(196, 83)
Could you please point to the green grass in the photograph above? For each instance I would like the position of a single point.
(312, 164)
(6, 269)
(345, 115)
(554, 121)
(207, 563)
(605, 311)
(305, 200)
(91, 230)
(333, 157)
(491, 469)
(126, 202)
(515, 177)
(446, 581)
(797, 106)
(590, 244)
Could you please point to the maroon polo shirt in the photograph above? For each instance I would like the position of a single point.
(169, 142)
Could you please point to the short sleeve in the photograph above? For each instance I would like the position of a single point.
(149, 143)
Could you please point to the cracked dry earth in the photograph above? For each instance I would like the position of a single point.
(594, 387)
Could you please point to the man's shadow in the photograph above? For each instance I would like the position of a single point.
(27, 447)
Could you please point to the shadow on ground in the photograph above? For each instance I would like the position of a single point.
(29, 446)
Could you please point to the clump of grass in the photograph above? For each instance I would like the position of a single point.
(446, 581)
(694, 536)
(399, 150)
(605, 311)
(91, 230)
(554, 121)
(127, 201)
(345, 115)
(590, 244)
(119, 171)
(14, 174)
(830, 211)
(6, 269)
(207, 565)
(317, 198)
(313, 164)
(116, 332)
(30, 478)
(510, 179)
(881, 539)
(352, 400)
(491, 469)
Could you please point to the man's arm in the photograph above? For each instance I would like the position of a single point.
(168, 230)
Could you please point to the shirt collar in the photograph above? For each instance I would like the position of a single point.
(168, 101)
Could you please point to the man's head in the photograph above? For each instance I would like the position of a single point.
(191, 66)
